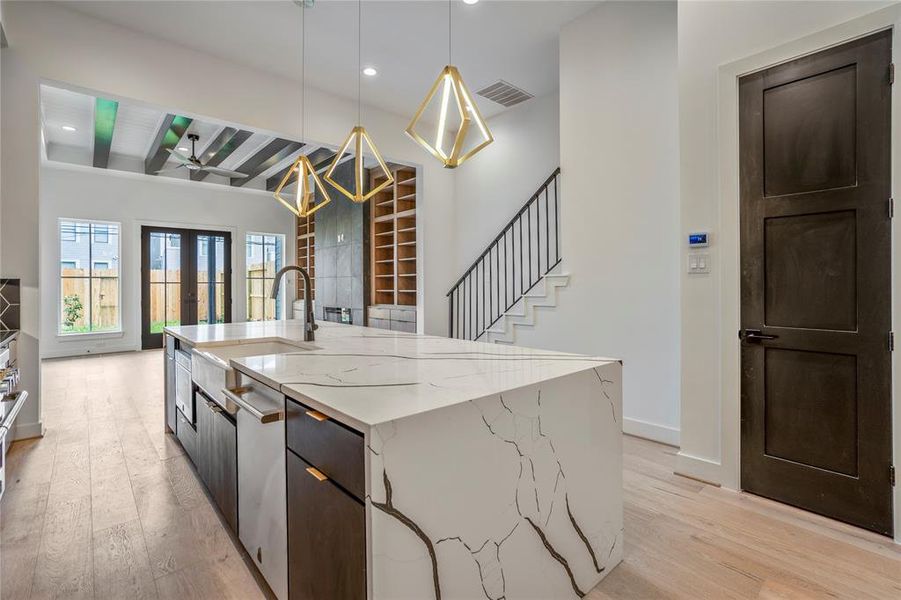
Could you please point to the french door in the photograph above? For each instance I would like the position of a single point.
(185, 280)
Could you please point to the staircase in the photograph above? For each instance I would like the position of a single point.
(523, 313)
(514, 276)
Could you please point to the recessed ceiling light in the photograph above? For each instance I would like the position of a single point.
(370, 71)
(470, 1)
(68, 128)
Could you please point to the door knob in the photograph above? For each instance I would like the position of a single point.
(754, 336)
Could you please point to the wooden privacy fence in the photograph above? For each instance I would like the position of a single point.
(104, 301)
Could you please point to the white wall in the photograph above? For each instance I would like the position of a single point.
(490, 188)
(134, 200)
(48, 41)
(712, 34)
(619, 203)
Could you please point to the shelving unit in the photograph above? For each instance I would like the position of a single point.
(393, 240)
(306, 252)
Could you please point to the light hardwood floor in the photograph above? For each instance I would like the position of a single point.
(107, 506)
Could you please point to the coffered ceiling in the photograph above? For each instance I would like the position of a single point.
(406, 41)
(88, 130)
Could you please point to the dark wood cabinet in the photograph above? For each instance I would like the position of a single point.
(334, 448)
(217, 456)
(326, 537)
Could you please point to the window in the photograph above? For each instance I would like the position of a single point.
(89, 298)
(100, 234)
(265, 255)
(173, 242)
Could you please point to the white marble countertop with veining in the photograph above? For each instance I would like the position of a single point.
(365, 376)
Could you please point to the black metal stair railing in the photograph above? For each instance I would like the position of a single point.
(525, 250)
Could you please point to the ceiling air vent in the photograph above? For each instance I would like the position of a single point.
(505, 94)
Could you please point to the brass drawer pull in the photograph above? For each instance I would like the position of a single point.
(317, 415)
(316, 473)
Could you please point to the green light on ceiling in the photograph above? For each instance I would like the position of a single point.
(105, 111)
(176, 130)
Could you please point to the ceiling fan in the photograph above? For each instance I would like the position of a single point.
(192, 163)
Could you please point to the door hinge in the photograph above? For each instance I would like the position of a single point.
(891, 474)
(891, 341)
(891, 208)
(891, 74)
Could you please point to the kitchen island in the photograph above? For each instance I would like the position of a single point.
(414, 466)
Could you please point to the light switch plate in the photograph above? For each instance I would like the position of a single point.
(698, 263)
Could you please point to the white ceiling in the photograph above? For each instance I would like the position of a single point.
(405, 40)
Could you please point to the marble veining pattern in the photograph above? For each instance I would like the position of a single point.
(530, 507)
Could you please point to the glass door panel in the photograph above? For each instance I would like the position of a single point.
(165, 280)
(210, 259)
(186, 280)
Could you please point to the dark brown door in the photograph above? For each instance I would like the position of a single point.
(815, 282)
(185, 280)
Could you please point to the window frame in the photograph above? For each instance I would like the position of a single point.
(281, 309)
(89, 277)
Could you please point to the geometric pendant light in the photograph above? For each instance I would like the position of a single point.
(358, 142)
(454, 122)
(307, 183)
(302, 170)
(454, 139)
(355, 142)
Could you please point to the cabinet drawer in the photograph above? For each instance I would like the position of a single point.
(401, 314)
(326, 538)
(403, 326)
(379, 313)
(187, 435)
(329, 446)
(379, 323)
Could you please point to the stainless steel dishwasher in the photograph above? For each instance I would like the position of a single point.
(184, 398)
(262, 504)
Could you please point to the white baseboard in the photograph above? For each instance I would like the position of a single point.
(82, 351)
(24, 431)
(651, 431)
(698, 467)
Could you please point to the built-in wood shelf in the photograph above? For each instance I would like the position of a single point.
(393, 240)
(306, 254)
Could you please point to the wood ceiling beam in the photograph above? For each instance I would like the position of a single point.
(319, 157)
(105, 112)
(265, 158)
(167, 137)
(228, 140)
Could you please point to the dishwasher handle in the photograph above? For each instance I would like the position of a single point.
(236, 395)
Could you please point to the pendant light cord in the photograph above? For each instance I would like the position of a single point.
(449, 61)
(303, 71)
(359, 61)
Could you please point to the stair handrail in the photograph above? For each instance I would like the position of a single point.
(517, 219)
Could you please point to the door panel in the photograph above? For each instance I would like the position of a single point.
(185, 280)
(815, 264)
(326, 538)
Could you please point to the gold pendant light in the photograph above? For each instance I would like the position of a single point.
(302, 170)
(356, 139)
(454, 119)
(307, 184)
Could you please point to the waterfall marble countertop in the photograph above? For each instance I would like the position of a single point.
(364, 376)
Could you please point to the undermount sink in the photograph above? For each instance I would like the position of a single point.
(213, 373)
(257, 349)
